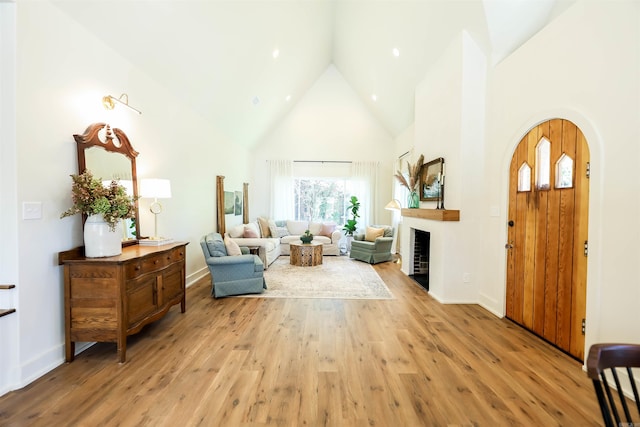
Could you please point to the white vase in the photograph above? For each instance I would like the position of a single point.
(99, 239)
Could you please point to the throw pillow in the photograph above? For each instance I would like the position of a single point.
(372, 234)
(273, 228)
(249, 232)
(327, 229)
(315, 228)
(282, 231)
(263, 224)
(297, 228)
(216, 246)
(236, 231)
(232, 247)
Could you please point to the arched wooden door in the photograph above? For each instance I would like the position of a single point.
(547, 234)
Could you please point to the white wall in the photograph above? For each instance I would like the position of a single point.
(328, 123)
(9, 328)
(62, 73)
(449, 123)
(584, 67)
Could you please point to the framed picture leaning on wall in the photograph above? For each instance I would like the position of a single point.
(432, 180)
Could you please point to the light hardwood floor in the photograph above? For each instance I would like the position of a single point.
(315, 362)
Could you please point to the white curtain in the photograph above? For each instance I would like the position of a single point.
(364, 178)
(281, 179)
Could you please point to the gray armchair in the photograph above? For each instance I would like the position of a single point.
(232, 275)
(373, 252)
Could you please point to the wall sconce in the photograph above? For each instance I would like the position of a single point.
(155, 189)
(109, 102)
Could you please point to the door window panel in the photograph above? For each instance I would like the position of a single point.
(564, 172)
(524, 177)
(543, 164)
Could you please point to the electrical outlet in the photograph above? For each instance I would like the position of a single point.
(466, 277)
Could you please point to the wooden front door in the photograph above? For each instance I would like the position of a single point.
(547, 234)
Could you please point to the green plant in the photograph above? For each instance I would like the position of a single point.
(90, 197)
(307, 237)
(350, 227)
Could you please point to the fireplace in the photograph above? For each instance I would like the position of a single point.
(421, 249)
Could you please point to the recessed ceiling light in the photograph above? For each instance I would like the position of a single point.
(255, 101)
(276, 53)
(396, 52)
(288, 98)
(374, 97)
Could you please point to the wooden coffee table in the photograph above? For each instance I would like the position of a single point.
(305, 254)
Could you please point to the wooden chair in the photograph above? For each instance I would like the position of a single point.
(602, 361)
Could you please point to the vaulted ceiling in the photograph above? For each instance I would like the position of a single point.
(218, 56)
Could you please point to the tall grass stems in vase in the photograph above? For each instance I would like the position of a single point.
(412, 181)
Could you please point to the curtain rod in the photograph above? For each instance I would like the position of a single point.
(322, 161)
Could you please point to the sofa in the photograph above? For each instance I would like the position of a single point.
(374, 246)
(273, 237)
(231, 274)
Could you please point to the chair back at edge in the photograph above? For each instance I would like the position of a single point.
(605, 358)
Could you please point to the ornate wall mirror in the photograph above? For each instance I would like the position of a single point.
(108, 154)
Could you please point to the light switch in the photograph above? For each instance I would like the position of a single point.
(31, 210)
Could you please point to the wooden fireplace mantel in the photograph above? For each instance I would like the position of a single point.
(433, 214)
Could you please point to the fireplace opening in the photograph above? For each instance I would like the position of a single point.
(422, 240)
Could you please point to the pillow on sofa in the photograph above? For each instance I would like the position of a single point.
(215, 245)
(297, 227)
(315, 228)
(250, 232)
(282, 231)
(232, 247)
(327, 229)
(263, 225)
(273, 228)
(236, 231)
(373, 233)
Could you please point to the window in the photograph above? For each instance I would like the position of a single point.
(564, 172)
(543, 164)
(524, 177)
(321, 199)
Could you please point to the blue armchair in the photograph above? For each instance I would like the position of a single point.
(373, 252)
(232, 275)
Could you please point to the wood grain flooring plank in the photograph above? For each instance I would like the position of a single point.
(312, 362)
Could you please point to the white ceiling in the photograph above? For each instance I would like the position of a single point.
(217, 55)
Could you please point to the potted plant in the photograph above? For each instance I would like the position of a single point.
(413, 182)
(307, 237)
(105, 207)
(350, 227)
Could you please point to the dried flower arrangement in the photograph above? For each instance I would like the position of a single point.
(414, 175)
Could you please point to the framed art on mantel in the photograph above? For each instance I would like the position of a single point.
(432, 180)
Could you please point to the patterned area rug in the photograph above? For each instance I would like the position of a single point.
(338, 277)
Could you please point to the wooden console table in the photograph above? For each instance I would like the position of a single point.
(108, 299)
(305, 254)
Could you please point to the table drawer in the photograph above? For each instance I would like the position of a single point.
(148, 265)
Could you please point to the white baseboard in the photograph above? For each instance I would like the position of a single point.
(195, 276)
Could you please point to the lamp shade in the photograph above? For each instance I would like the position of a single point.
(155, 188)
(393, 205)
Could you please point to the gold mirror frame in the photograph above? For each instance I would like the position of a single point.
(114, 141)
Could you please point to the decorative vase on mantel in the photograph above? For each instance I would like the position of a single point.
(413, 201)
(99, 239)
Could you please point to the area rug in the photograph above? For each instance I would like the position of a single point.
(337, 277)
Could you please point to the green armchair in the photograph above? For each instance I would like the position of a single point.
(376, 251)
(232, 275)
